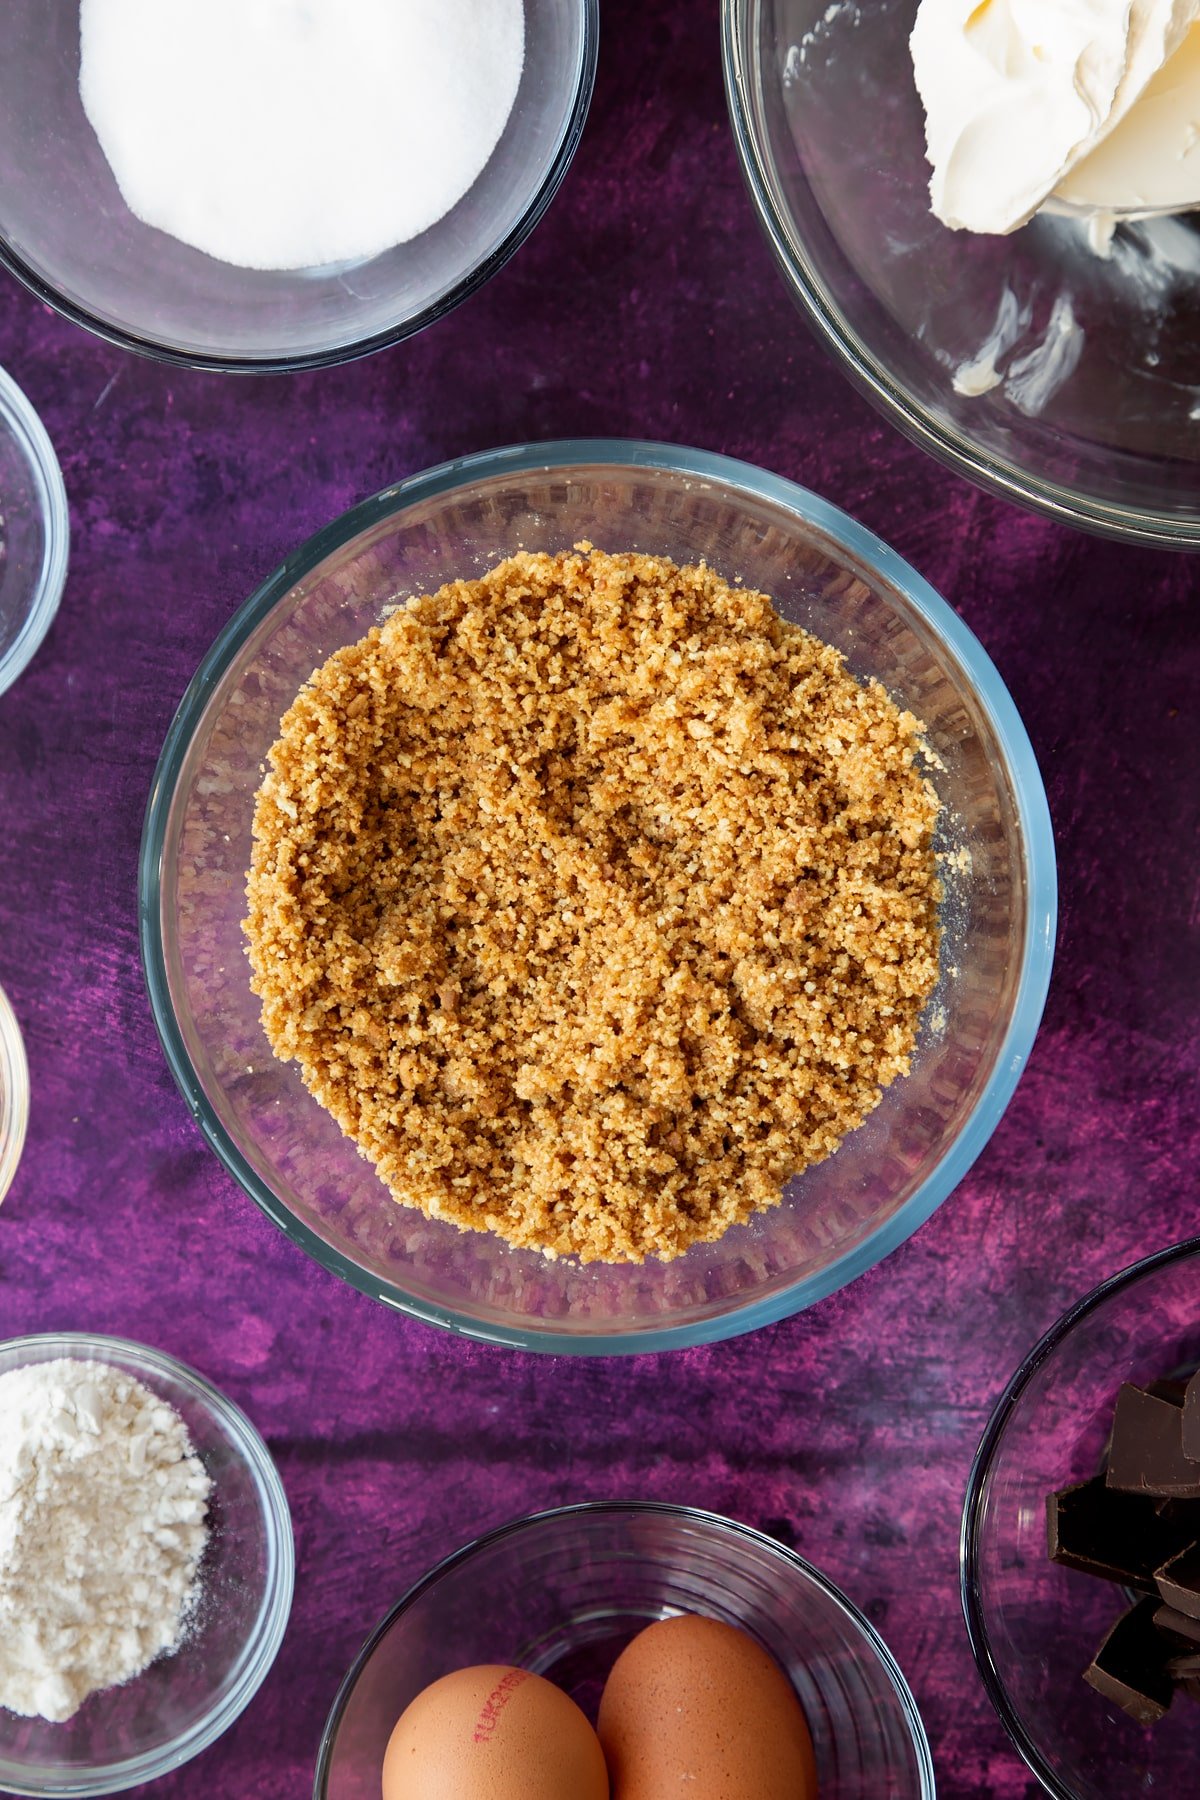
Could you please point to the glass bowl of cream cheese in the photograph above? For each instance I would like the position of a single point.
(1042, 335)
(280, 184)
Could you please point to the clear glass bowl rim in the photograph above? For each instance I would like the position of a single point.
(14, 1094)
(115, 1777)
(539, 203)
(953, 448)
(847, 534)
(977, 1481)
(795, 1564)
(27, 428)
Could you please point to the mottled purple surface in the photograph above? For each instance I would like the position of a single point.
(645, 305)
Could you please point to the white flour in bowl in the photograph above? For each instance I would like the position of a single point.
(102, 1525)
(288, 134)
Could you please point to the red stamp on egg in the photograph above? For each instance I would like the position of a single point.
(494, 1705)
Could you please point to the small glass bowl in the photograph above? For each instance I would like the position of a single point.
(1091, 415)
(561, 1593)
(1035, 1626)
(14, 1094)
(34, 532)
(183, 1702)
(66, 232)
(826, 573)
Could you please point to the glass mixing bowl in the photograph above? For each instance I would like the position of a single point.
(562, 1593)
(826, 573)
(34, 531)
(67, 233)
(1094, 415)
(1035, 1626)
(182, 1702)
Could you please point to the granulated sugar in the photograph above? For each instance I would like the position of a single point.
(102, 1526)
(287, 134)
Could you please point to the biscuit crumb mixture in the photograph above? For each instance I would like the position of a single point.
(593, 900)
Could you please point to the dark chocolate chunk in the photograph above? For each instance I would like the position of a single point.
(1113, 1535)
(1138, 1524)
(1130, 1666)
(1146, 1453)
(1178, 1581)
(1178, 1627)
(1179, 1512)
(1191, 1419)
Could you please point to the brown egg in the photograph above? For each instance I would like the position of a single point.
(493, 1733)
(698, 1708)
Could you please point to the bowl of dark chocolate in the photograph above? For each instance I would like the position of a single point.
(1081, 1541)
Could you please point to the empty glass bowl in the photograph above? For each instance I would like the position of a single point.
(826, 573)
(67, 233)
(1035, 1626)
(34, 531)
(181, 1703)
(1054, 375)
(14, 1094)
(562, 1593)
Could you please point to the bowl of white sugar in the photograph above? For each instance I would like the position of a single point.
(146, 1564)
(280, 184)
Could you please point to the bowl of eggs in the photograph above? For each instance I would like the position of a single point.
(280, 186)
(1048, 352)
(459, 1033)
(623, 1648)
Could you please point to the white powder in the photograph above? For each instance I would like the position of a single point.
(102, 1525)
(287, 134)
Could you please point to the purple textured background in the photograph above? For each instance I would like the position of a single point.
(645, 305)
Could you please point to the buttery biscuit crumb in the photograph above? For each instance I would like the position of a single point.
(594, 900)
